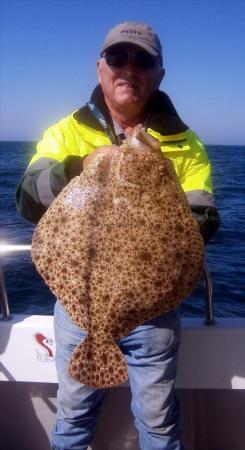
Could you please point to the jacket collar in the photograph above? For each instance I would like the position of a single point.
(164, 118)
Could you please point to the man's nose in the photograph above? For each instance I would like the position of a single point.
(129, 66)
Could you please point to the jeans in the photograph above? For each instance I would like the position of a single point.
(151, 355)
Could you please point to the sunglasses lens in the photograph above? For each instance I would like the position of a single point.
(141, 60)
(116, 59)
(144, 61)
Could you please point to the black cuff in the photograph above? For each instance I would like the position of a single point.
(208, 220)
(61, 173)
(73, 166)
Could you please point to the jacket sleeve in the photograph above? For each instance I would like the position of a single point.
(196, 180)
(54, 164)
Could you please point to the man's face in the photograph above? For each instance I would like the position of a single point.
(128, 86)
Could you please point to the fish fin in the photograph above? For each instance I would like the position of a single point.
(98, 364)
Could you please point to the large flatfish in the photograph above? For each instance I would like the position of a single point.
(118, 248)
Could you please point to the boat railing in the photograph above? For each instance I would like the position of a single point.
(8, 248)
(4, 249)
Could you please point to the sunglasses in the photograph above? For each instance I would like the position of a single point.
(139, 59)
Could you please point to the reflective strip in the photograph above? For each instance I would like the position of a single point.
(40, 164)
(200, 197)
(99, 116)
(45, 194)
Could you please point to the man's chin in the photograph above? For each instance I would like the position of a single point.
(127, 100)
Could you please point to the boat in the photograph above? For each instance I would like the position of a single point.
(210, 383)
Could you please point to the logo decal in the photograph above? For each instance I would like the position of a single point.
(131, 32)
(44, 352)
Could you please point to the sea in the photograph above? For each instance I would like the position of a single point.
(225, 254)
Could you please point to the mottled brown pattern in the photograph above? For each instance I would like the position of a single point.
(118, 250)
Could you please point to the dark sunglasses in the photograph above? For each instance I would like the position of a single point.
(140, 59)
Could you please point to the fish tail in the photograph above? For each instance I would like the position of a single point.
(98, 363)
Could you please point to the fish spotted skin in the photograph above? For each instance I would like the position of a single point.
(118, 249)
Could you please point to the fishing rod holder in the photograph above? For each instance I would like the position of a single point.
(7, 248)
(208, 295)
(3, 295)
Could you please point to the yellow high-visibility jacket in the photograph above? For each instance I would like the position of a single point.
(60, 153)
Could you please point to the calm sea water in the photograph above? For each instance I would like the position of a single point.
(225, 254)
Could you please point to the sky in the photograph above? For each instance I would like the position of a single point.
(49, 50)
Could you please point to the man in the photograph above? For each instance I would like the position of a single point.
(130, 70)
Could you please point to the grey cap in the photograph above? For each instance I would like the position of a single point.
(138, 33)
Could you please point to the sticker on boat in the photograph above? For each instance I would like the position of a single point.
(44, 350)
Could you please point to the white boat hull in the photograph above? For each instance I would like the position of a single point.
(211, 357)
(210, 387)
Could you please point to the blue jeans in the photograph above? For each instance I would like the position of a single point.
(151, 355)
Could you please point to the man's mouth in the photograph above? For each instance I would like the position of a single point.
(127, 84)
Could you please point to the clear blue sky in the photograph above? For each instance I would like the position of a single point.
(49, 49)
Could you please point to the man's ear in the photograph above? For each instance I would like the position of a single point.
(98, 67)
(160, 76)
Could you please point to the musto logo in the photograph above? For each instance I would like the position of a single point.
(44, 350)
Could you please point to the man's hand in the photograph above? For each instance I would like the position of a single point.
(108, 150)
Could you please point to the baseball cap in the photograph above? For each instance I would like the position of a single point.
(138, 33)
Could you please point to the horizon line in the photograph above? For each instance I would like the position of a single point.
(31, 140)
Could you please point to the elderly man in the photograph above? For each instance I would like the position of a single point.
(130, 70)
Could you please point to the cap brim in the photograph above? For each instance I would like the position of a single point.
(130, 40)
